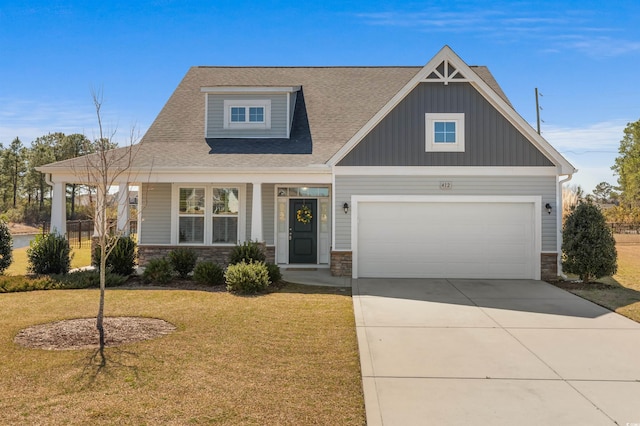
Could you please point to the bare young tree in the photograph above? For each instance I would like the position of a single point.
(107, 166)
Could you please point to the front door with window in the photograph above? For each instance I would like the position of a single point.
(303, 245)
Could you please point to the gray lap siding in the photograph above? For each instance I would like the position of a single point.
(156, 213)
(346, 186)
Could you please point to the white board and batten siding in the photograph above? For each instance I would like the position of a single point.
(490, 201)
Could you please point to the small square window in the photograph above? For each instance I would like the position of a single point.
(237, 115)
(256, 114)
(444, 132)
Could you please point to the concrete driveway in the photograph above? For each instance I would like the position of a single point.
(493, 352)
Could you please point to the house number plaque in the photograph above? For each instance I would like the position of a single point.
(446, 185)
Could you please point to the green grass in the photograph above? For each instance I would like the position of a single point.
(81, 257)
(287, 358)
(623, 292)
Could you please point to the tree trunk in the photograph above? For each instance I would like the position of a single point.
(101, 220)
(15, 185)
(73, 201)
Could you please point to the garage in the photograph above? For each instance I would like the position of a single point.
(440, 237)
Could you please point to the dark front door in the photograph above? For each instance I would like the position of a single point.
(303, 246)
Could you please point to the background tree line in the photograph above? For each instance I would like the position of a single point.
(25, 195)
(621, 203)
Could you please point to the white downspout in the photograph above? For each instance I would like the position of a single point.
(559, 223)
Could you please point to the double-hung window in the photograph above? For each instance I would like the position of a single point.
(208, 215)
(444, 132)
(191, 216)
(247, 114)
(224, 220)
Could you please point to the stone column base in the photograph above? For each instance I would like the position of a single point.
(341, 263)
(549, 266)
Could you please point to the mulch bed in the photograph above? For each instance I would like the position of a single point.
(81, 333)
(136, 283)
(579, 285)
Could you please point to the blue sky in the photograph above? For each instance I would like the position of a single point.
(584, 57)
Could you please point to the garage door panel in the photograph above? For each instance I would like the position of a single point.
(440, 240)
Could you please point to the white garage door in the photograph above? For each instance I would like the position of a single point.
(446, 240)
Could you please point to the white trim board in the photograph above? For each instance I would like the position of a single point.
(442, 171)
(249, 90)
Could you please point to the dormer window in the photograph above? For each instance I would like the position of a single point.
(254, 114)
(247, 114)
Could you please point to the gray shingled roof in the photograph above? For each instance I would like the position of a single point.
(339, 101)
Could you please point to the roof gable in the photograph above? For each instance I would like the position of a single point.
(446, 67)
(400, 140)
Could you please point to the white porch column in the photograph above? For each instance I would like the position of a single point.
(123, 208)
(59, 209)
(256, 213)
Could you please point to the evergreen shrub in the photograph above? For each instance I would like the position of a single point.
(183, 260)
(588, 246)
(247, 278)
(208, 273)
(49, 254)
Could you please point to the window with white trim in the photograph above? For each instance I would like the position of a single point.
(247, 114)
(191, 216)
(224, 219)
(444, 132)
(208, 215)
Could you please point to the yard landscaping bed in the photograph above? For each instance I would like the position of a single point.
(620, 293)
(287, 357)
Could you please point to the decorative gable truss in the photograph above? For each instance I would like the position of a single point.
(446, 73)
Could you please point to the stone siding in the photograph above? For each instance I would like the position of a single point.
(549, 266)
(216, 254)
(341, 263)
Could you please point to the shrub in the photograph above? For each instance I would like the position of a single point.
(247, 252)
(247, 278)
(183, 260)
(208, 273)
(49, 254)
(6, 245)
(80, 279)
(274, 273)
(12, 284)
(588, 246)
(122, 259)
(88, 279)
(157, 271)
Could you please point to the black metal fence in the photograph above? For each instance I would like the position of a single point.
(79, 232)
(625, 228)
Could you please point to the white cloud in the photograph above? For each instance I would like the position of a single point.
(578, 31)
(29, 119)
(598, 137)
(592, 150)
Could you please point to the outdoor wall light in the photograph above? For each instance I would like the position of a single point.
(345, 206)
(548, 207)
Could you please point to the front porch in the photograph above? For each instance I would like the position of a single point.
(212, 213)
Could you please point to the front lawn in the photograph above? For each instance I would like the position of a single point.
(620, 293)
(81, 257)
(288, 357)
